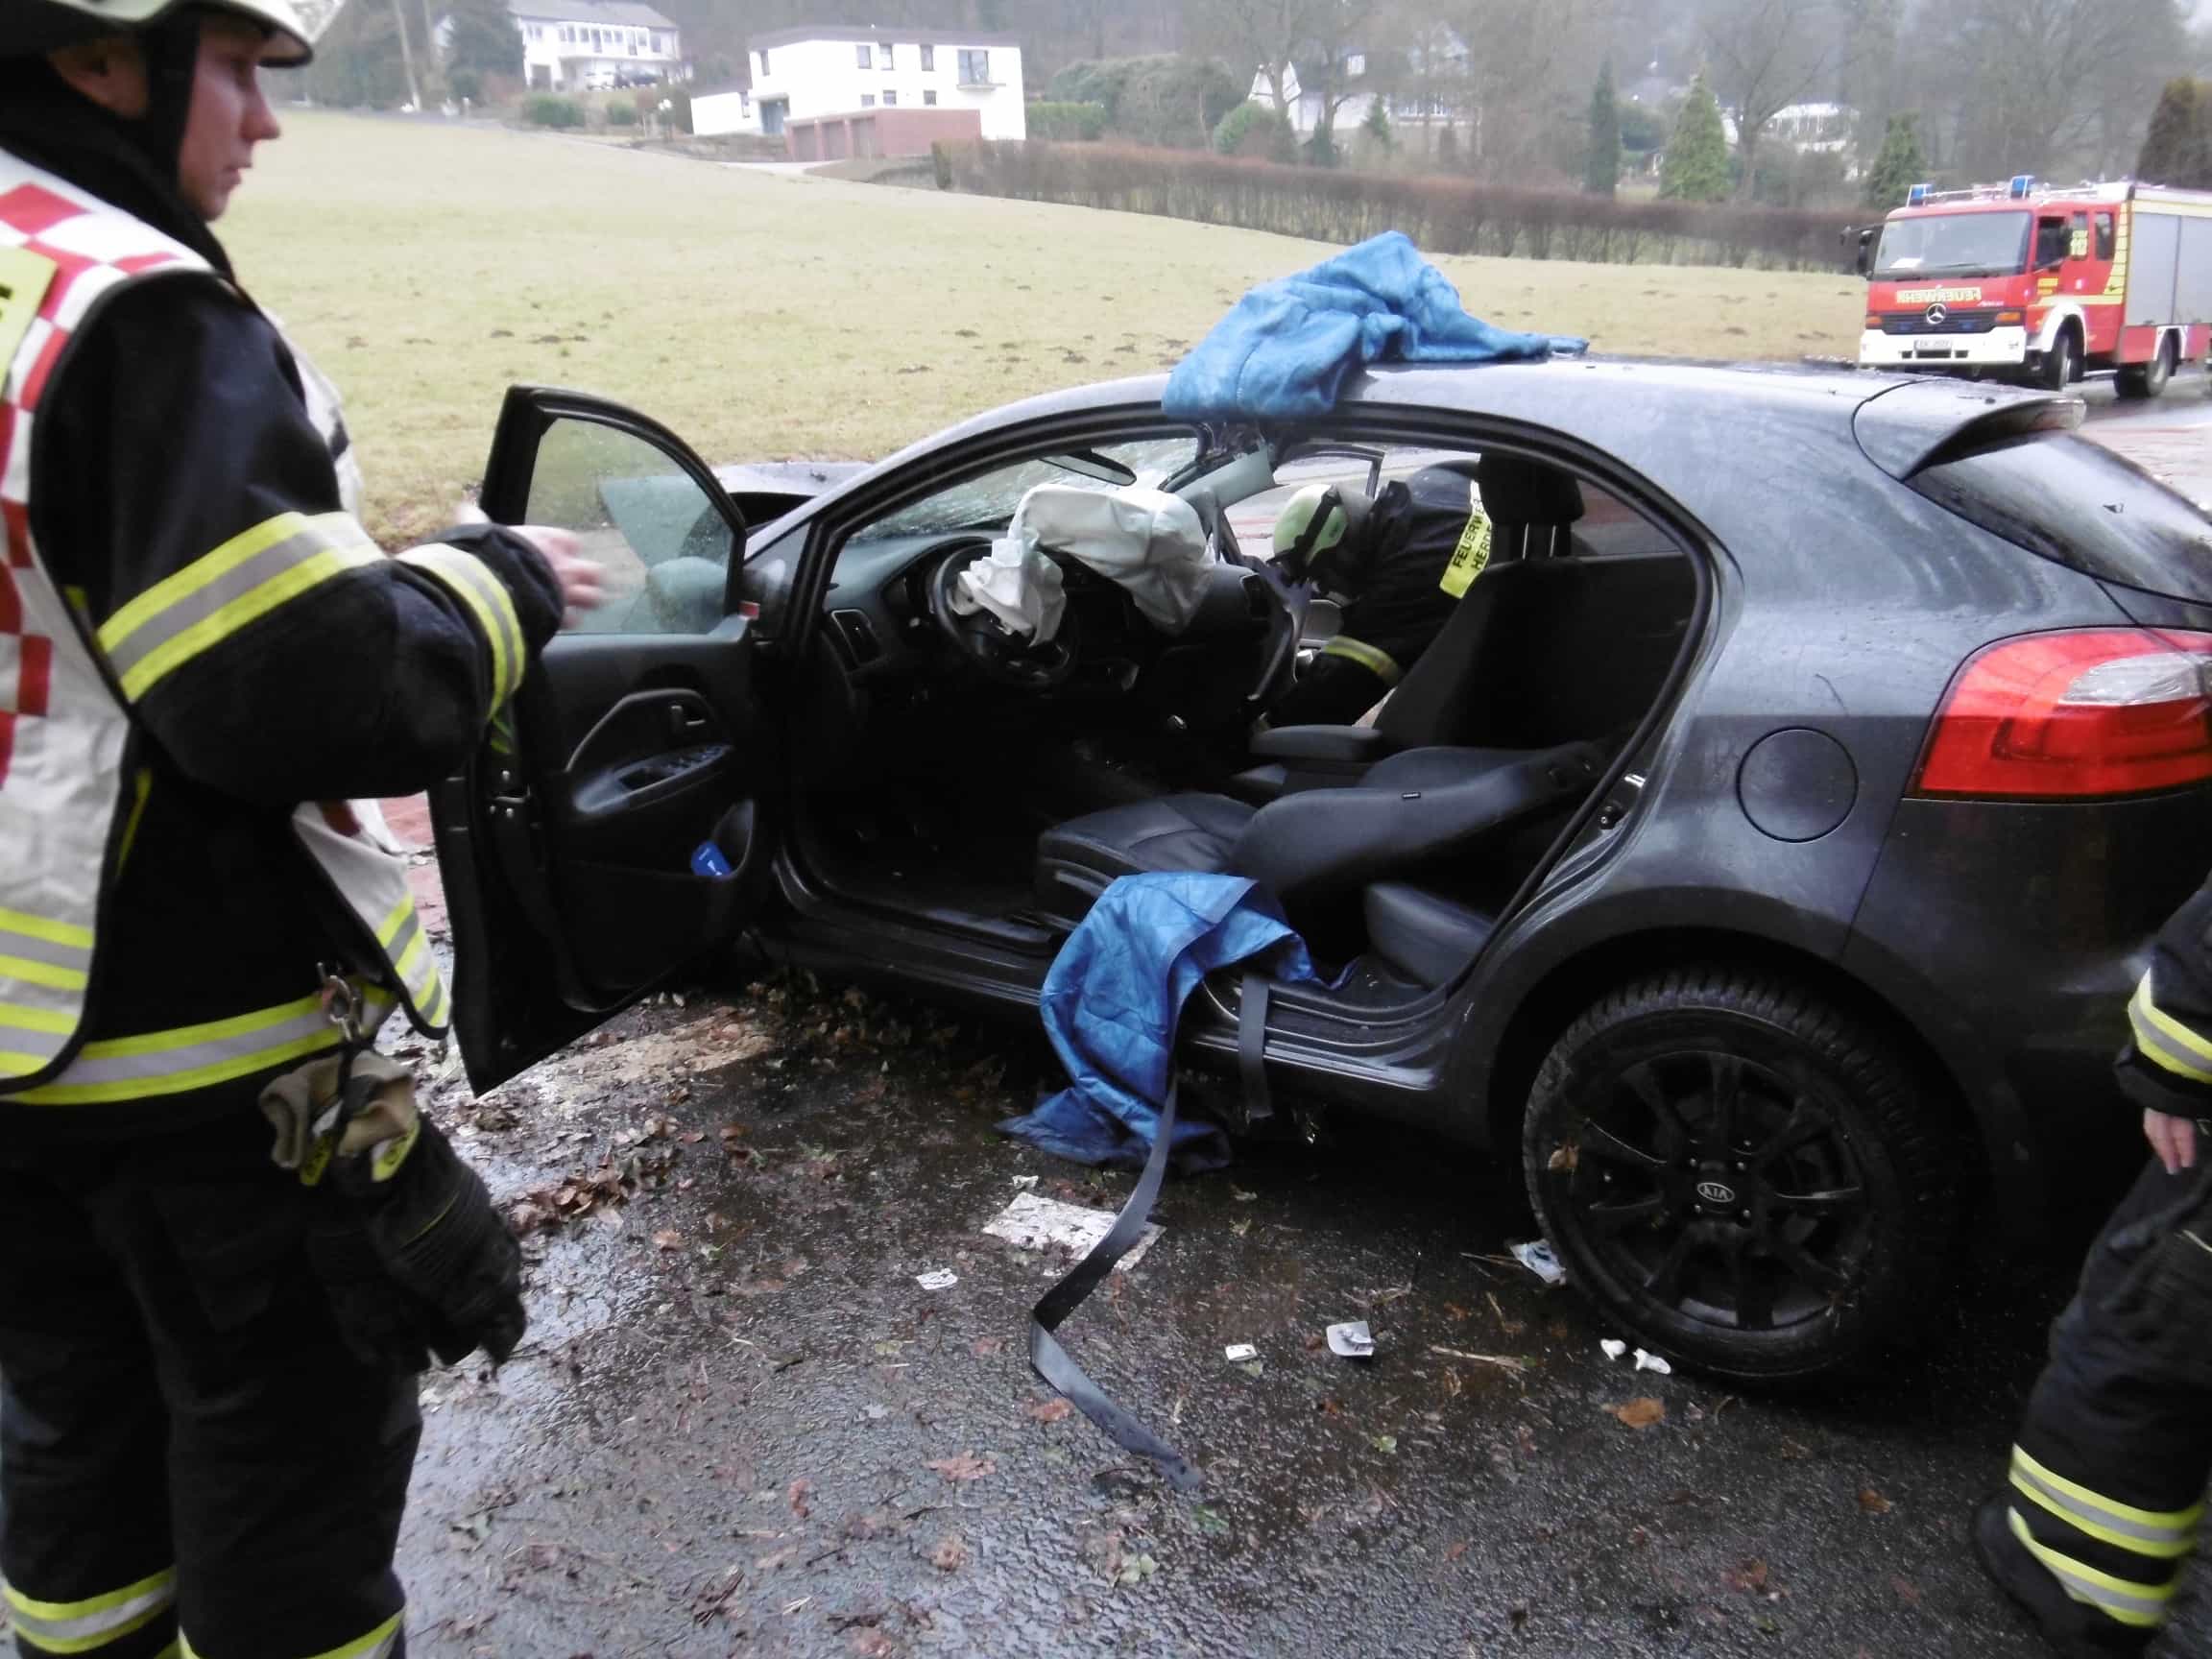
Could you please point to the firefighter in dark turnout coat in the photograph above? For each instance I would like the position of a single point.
(2109, 1468)
(207, 1361)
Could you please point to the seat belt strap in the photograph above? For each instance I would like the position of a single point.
(1252, 1047)
(1052, 1362)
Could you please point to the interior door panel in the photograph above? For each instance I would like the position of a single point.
(614, 828)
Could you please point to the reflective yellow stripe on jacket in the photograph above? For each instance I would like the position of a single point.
(407, 947)
(86, 1625)
(469, 579)
(212, 598)
(2167, 1041)
(198, 1056)
(48, 963)
(1372, 658)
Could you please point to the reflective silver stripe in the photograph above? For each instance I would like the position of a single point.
(81, 1626)
(33, 950)
(194, 1056)
(488, 598)
(92, 1068)
(410, 931)
(2160, 1542)
(333, 533)
(2140, 1606)
(2166, 1040)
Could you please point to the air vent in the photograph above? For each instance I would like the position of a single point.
(855, 636)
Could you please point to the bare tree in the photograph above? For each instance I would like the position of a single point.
(1766, 55)
(1264, 38)
(2041, 73)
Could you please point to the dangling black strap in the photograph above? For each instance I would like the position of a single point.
(1252, 1047)
(1051, 1361)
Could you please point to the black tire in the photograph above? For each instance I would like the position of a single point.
(2062, 363)
(1814, 1224)
(2148, 379)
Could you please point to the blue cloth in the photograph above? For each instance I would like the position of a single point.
(1113, 997)
(1288, 348)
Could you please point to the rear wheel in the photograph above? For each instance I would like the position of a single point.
(2148, 379)
(2061, 364)
(1743, 1176)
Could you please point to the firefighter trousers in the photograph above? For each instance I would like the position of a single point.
(191, 1461)
(2109, 1469)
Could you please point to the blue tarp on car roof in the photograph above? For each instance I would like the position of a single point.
(1288, 348)
(1113, 997)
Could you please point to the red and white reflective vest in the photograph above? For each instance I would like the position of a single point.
(67, 779)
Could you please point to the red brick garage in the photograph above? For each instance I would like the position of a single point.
(874, 132)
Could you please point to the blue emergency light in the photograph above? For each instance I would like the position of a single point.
(2017, 189)
(1916, 196)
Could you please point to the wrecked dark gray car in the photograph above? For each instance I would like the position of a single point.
(1763, 855)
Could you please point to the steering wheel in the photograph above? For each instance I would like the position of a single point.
(1278, 651)
(983, 642)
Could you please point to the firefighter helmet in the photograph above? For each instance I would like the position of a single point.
(1318, 520)
(53, 23)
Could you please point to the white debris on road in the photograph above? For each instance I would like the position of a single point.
(1237, 1353)
(939, 1278)
(1536, 1256)
(1033, 1223)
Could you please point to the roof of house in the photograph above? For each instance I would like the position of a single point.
(919, 36)
(631, 13)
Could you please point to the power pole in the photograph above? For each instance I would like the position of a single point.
(407, 56)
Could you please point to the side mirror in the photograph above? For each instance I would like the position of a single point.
(1863, 261)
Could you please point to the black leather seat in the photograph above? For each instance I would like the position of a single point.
(1408, 812)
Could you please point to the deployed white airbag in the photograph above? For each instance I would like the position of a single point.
(1018, 585)
(1149, 541)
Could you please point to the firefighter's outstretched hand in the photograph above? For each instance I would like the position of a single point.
(582, 585)
(2172, 1140)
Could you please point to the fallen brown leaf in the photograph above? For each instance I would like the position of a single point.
(1640, 1413)
(950, 1555)
(1873, 1503)
(967, 1466)
(983, 1347)
(1454, 1551)
(668, 1239)
(1050, 1410)
(1908, 1592)
(1454, 1310)
(800, 1491)
(1748, 1580)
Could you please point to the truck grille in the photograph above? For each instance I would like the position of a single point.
(1957, 322)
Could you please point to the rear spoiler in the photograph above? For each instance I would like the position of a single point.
(1913, 426)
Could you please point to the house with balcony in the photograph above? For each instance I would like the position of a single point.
(892, 91)
(577, 45)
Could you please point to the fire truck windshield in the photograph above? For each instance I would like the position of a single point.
(1953, 244)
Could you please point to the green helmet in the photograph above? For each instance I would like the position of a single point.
(1316, 521)
(53, 23)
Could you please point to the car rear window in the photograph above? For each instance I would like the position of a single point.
(2075, 502)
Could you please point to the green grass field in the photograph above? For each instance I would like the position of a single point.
(769, 317)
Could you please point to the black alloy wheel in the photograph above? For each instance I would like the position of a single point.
(1743, 1177)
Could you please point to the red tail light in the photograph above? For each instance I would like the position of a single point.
(2053, 716)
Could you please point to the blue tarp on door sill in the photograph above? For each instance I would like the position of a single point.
(1113, 995)
(1288, 348)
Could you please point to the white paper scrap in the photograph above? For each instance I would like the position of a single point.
(942, 1278)
(1652, 1362)
(1536, 1256)
(1615, 1348)
(1033, 1223)
(1351, 1340)
(1237, 1353)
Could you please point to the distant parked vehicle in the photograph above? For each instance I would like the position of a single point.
(2027, 280)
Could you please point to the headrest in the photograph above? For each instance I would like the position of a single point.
(1522, 491)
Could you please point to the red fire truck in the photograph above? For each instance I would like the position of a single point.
(2031, 279)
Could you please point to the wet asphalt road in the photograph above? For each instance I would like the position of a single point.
(740, 1427)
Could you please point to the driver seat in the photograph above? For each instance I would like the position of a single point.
(1408, 812)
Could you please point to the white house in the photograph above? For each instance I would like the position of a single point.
(803, 74)
(583, 43)
(1430, 75)
(723, 110)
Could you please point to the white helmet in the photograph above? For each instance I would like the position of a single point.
(52, 23)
